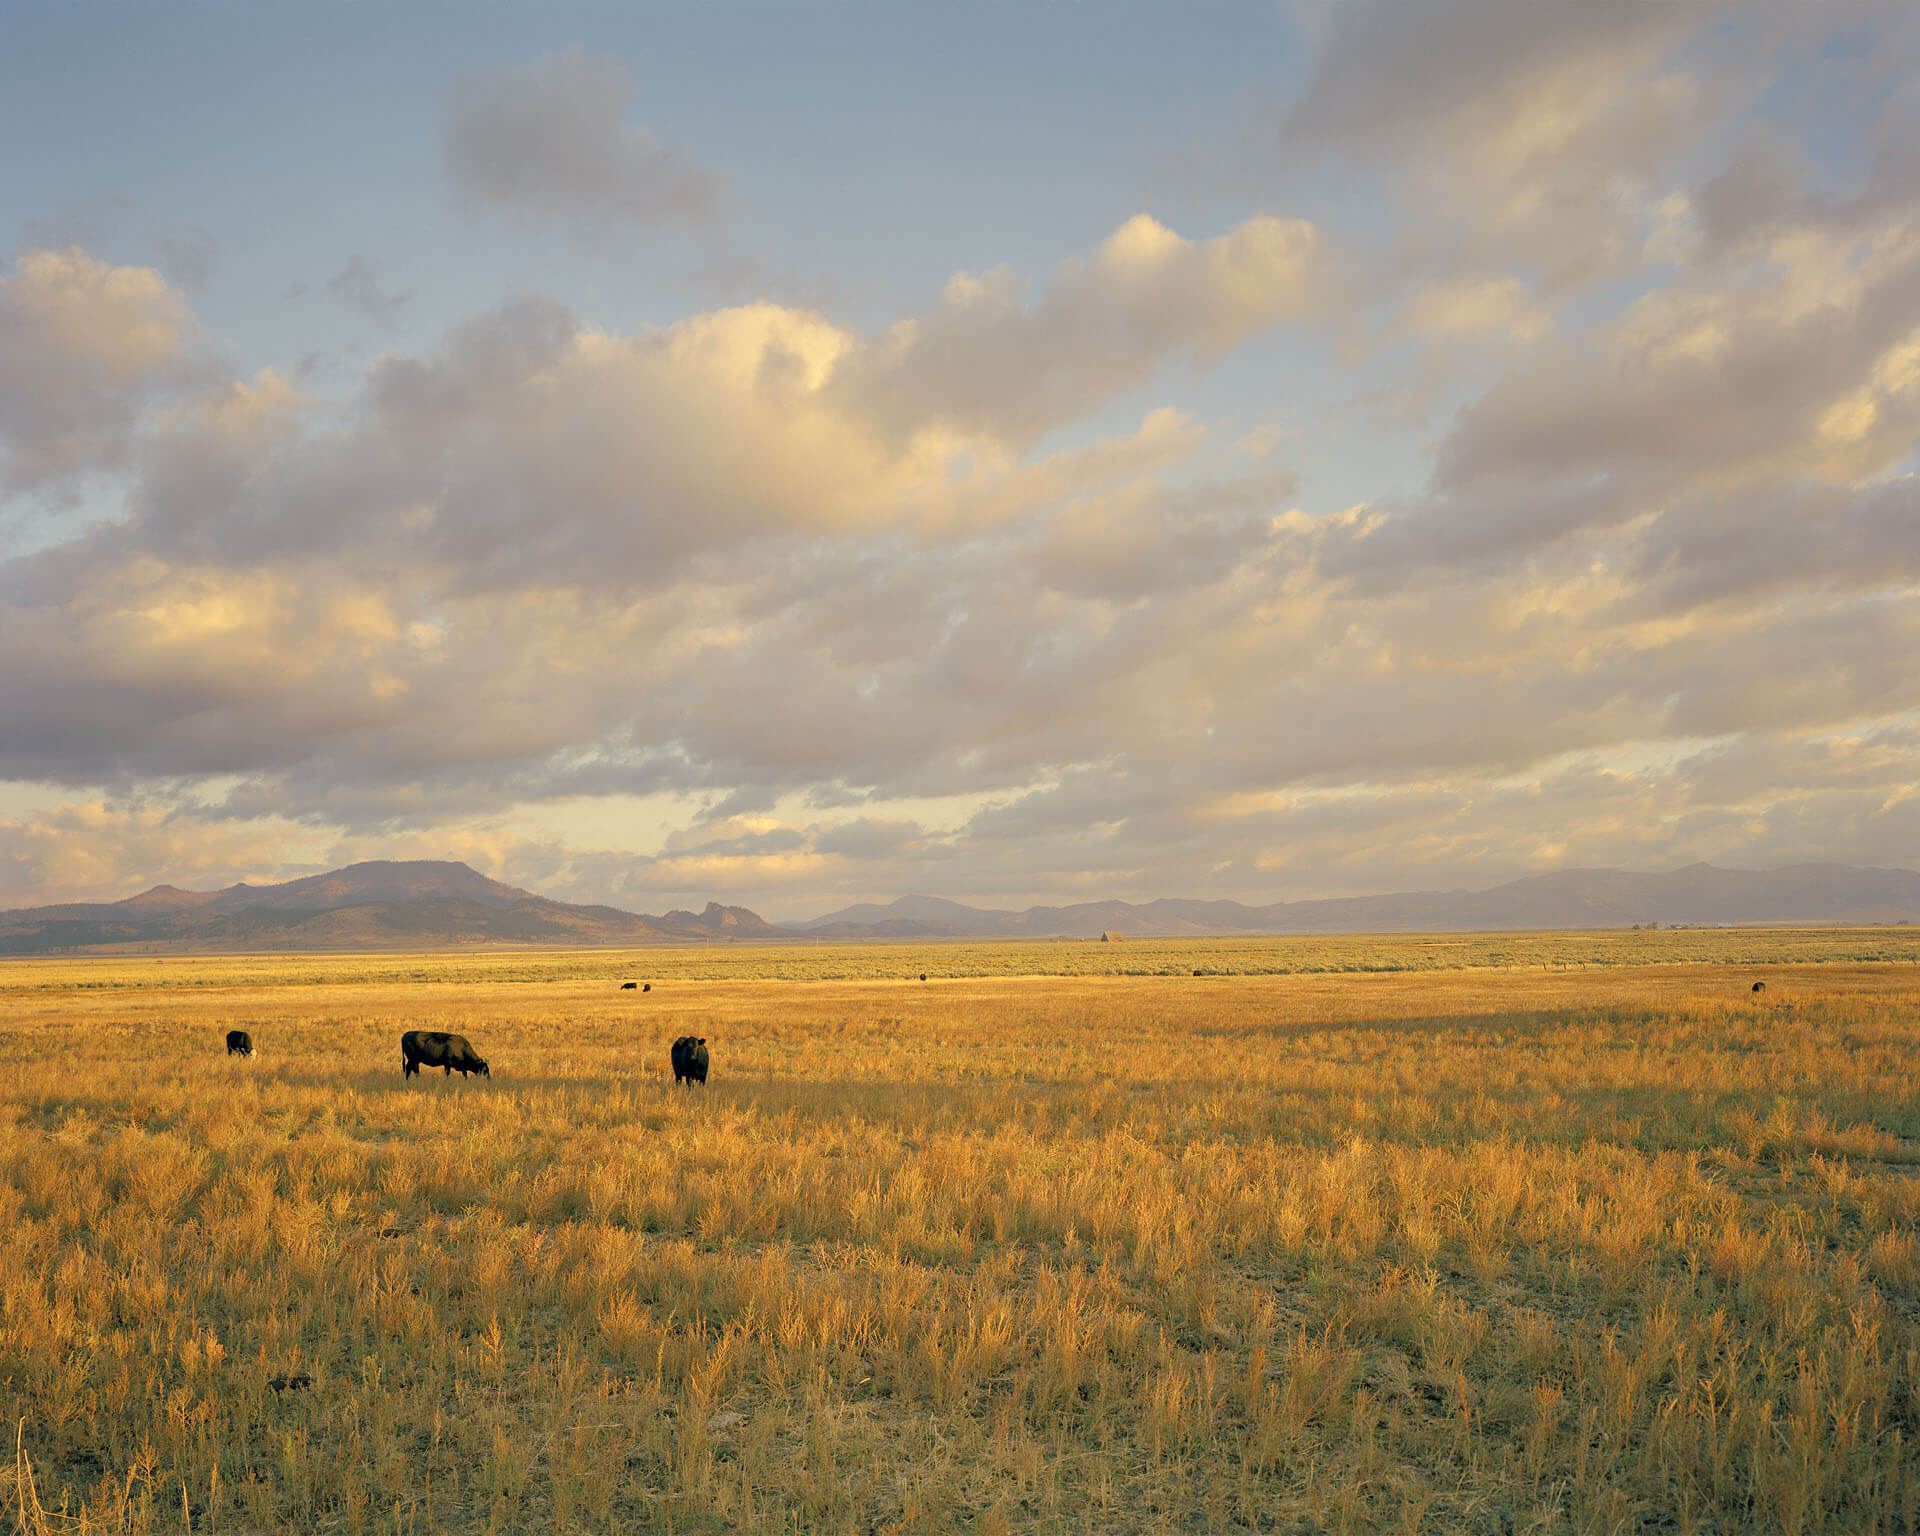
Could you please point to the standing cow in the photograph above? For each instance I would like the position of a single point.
(690, 1059)
(629, 986)
(239, 1043)
(435, 1048)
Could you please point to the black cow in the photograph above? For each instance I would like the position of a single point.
(239, 1043)
(435, 1048)
(648, 987)
(1759, 986)
(629, 986)
(923, 975)
(690, 1059)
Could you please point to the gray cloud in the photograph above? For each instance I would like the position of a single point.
(873, 838)
(357, 285)
(1787, 538)
(551, 139)
(1697, 403)
(853, 613)
(188, 257)
(84, 347)
(1514, 133)
(1389, 71)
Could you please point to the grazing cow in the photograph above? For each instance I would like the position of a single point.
(239, 1043)
(629, 986)
(435, 1048)
(923, 975)
(1759, 986)
(690, 1059)
(648, 987)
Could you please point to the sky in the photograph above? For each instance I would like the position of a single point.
(801, 453)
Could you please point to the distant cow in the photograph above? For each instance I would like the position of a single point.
(648, 987)
(629, 986)
(435, 1048)
(1759, 986)
(690, 1059)
(239, 1043)
(923, 975)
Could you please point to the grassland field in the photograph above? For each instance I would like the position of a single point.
(1507, 1233)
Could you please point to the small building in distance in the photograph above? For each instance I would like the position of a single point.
(1108, 936)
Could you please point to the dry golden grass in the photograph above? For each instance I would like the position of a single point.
(1477, 1249)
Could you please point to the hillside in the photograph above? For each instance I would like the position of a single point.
(419, 904)
(424, 904)
(1575, 898)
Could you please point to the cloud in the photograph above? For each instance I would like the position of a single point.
(762, 603)
(84, 346)
(550, 140)
(1787, 538)
(1389, 72)
(98, 850)
(530, 446)
(1798, 362)
(357, 286)
(986, 361)
(873, 837)
(1541, 132)
(1806, 362)
(1474, 306)
(188, 257)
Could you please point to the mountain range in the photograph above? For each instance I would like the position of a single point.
(1573, 898)
(426, 904)
(419, 904)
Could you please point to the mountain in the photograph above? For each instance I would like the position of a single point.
(376, 880)
(424, 904)
(906, 917)
(383, 904)
(1574, 898)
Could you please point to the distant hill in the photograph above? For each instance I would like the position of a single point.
(425, 904)
(419, 904)
(1574, 898)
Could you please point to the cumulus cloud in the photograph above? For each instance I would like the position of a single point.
(853, 612)
(987, 361)
(550, 139)
(453, 578)
(532, 445)
(1797, 363)
(84, 346)
(1538, 131)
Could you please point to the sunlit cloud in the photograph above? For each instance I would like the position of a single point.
(786, 604)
